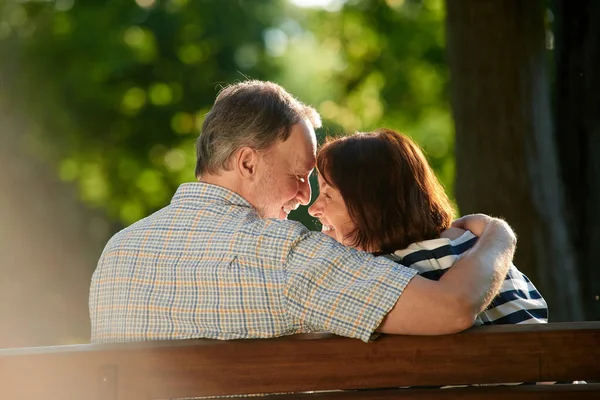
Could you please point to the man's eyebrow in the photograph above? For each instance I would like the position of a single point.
(301, 170)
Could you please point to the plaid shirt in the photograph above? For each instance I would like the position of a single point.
(207, 266)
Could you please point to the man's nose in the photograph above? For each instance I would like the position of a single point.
(304, 192)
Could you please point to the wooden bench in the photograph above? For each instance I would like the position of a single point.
(317, 367)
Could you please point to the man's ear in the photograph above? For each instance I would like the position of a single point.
(246, 162)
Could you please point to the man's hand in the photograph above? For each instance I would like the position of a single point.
(478, 223)
(475, 223)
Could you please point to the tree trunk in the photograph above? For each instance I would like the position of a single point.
(506, 163)
(578, 134)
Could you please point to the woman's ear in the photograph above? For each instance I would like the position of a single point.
(246, 162)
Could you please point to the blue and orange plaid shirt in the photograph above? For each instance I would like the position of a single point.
(207, 266)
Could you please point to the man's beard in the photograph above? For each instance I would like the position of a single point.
(265, 204)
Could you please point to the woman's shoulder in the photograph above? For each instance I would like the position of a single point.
(453, 241)
(452, 233)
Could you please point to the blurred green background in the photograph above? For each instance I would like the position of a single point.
(114, 91)
(101, 103)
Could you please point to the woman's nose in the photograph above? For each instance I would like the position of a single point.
(315, 209)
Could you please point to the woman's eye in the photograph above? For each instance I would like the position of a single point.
(301, 179)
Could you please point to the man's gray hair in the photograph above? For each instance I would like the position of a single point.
(251, 113)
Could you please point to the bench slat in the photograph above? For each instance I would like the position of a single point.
(564, 352)
(544, 392)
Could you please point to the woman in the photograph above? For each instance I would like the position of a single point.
(379, 194)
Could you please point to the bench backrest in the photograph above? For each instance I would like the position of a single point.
(198, 368)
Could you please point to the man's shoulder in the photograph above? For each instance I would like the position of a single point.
(272, 233)
(238, 230)
(135, 231)
(283, 226)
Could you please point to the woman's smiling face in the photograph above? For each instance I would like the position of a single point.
(332, 212)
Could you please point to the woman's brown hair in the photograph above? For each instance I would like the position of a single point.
(391, 192)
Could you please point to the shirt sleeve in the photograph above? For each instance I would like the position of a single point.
(518, 302)
(336, 289)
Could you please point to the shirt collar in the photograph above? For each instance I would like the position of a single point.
(201, 193)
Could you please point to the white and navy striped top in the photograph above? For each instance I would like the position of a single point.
(518, 302)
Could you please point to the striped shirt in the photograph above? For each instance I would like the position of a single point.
(518, 302)
(207, 266)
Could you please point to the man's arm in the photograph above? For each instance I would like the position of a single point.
(451, 304)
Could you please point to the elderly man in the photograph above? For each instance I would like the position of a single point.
(221, 261)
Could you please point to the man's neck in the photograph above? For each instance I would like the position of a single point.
(224, 180)
(216, 179)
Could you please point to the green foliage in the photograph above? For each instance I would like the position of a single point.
(114, 91)
(376, 64)
(125, 87)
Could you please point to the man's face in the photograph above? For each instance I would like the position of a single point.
(283, 175)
